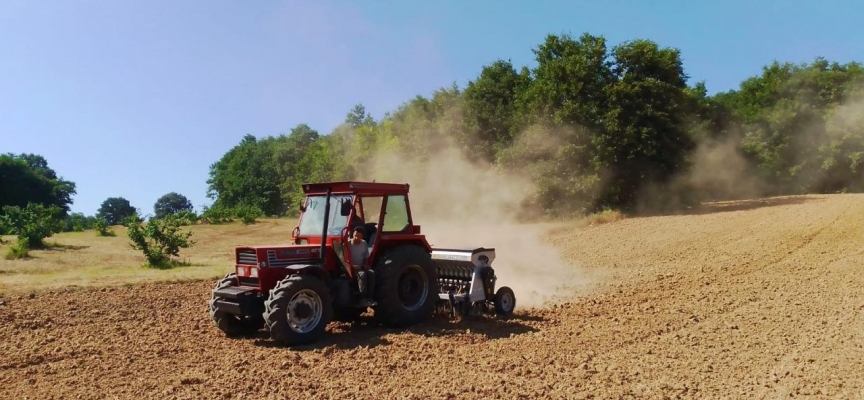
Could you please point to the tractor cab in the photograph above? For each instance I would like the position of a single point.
(381, 209)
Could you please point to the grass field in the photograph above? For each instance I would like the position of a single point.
(83, 259)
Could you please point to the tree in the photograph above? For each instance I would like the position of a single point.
(247, 174)
(78, 222)
(645, 140)
(170, 204)
(27, 178)
(267, 174)
(115, 210)
(358, 117)
(789, 119)
(570, 82)
(490, 105)
(158, 239)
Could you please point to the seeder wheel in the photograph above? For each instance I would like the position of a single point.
(505, 301)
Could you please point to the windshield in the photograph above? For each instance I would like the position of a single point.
(312, 220)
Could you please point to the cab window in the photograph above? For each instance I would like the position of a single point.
(396, 217)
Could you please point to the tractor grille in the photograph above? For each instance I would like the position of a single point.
(275, 262)
(247, 257)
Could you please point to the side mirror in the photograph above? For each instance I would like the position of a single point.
(346, 208)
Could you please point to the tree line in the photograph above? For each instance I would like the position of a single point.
(596, 127)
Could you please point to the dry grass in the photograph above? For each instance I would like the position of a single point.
(600, 218)
(85, 259)
(604, 217)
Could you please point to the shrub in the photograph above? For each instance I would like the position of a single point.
(248, 213)
(185, 217)
(158, 239)
(78, 222)
(32, 224)
(102, 228)
(604, 217)
(18, 250)
(217, 215)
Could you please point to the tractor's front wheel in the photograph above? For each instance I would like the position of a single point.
(298, 310)
(406, 287)
(230, 324)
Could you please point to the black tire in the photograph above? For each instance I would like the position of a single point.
(406, 287)
(298, 310)
(231, 324)
(505, 301)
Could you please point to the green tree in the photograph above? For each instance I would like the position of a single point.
(115, 210)
(785, 114)
(78, 222)
(490, 105)
(27, 178)
(358, 117)
(644, 139)
(247, 174)
(159, 239)
(570, 81)
(171, 203)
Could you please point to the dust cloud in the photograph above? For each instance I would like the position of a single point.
(821, 159)
(464, 204)
(718, 171)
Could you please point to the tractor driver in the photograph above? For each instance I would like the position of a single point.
(365, 275)
(356, 219)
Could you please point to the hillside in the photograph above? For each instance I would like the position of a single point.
(751, 299)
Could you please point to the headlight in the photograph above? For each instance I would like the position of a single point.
(253, 272)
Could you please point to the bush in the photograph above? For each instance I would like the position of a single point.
(248, 213)
(158, 239)
(185, 217)
(102, 228)
(78, 222)
(31, 224)
(217, 215)
(18, 250)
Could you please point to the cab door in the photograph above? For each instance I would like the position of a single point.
(341, 244)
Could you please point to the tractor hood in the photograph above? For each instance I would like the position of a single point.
(278, 255)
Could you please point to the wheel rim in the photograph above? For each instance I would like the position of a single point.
(413, 288)
(304, 311)
(506, 301)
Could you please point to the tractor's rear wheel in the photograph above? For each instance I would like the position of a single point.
(233, 325)
(298, 310)
(406, 287)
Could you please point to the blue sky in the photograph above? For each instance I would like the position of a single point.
(104, 88)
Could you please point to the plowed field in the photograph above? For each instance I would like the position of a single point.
(757, 299)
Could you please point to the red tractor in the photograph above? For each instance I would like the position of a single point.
(295, 290)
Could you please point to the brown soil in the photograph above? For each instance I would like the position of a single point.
(752, 300)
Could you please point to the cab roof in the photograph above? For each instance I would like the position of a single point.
(355, 187)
